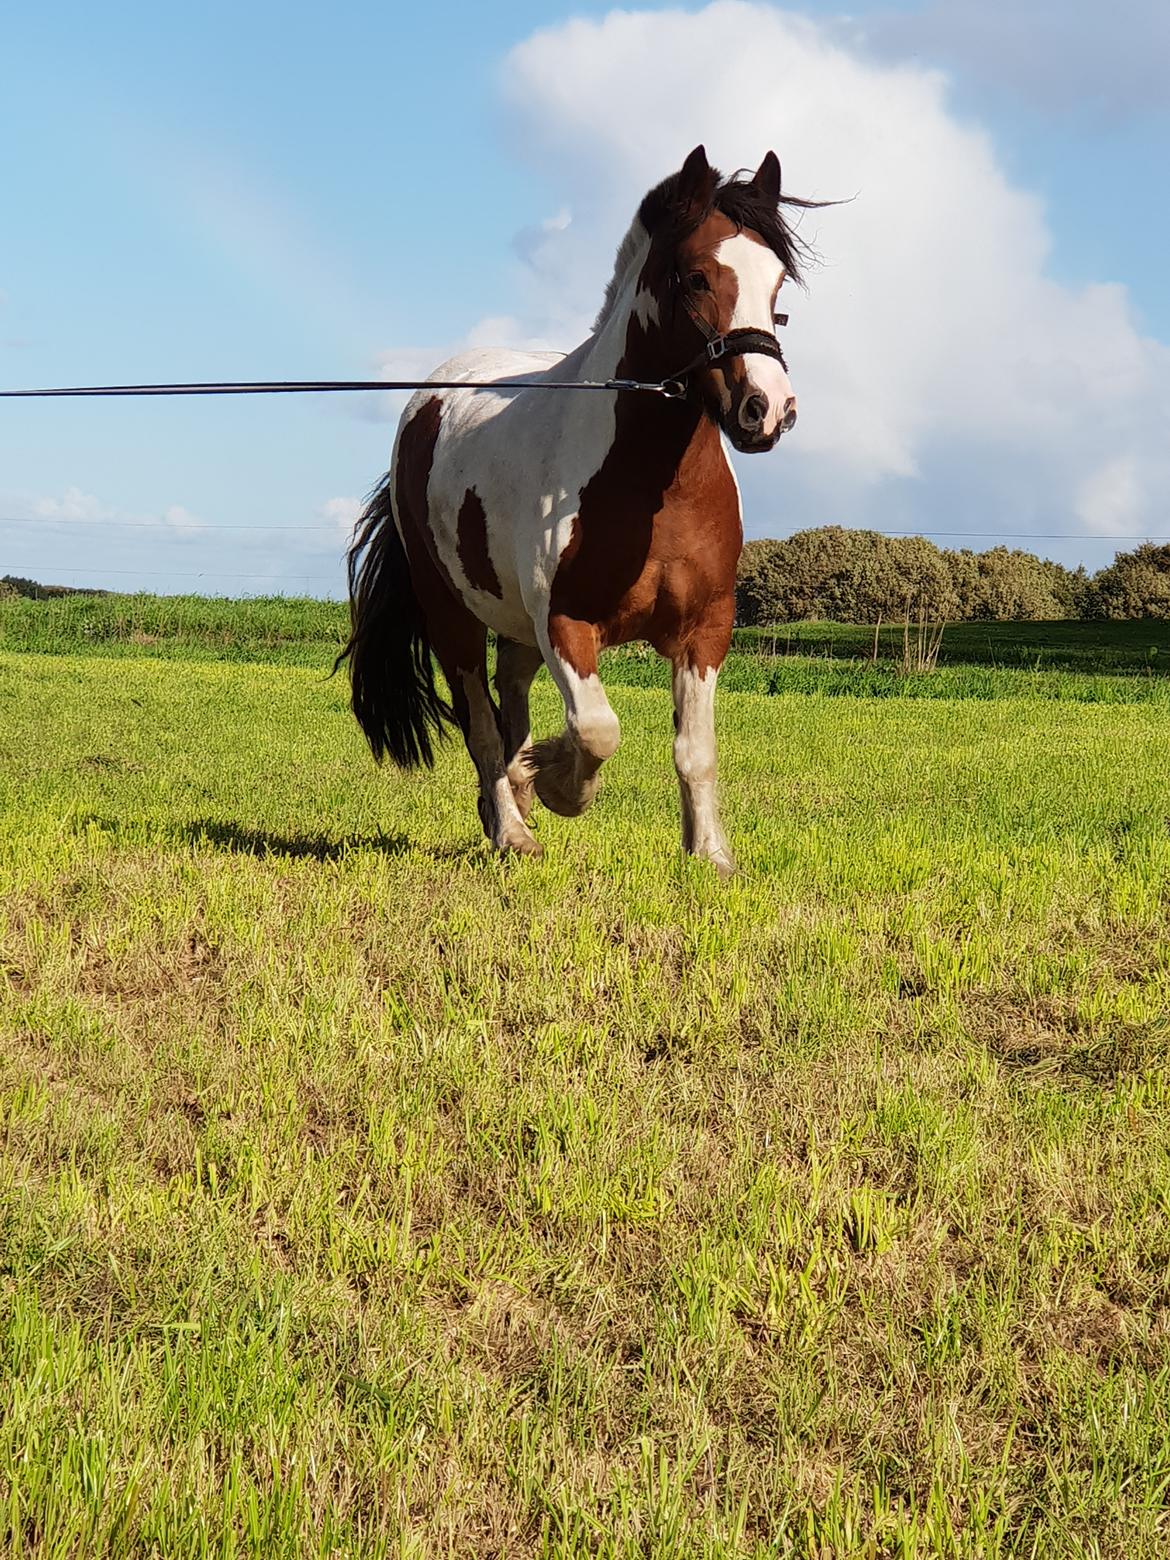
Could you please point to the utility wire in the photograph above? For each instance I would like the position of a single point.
(324, 530)
(174, 574)
(165, 525)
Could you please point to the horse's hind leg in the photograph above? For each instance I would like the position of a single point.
(479, 720)
(566, 769)
(460, 644)
(516, 666)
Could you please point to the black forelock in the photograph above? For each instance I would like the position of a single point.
(737, 198)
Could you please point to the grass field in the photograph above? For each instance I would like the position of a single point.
(1085, 662)
(361, 1194)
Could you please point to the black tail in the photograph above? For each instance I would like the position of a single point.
(390, 667)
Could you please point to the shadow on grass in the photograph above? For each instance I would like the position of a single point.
(220, 834)
(234, 838)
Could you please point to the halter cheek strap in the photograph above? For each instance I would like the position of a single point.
(732, 343)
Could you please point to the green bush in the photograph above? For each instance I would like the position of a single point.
(860, 576)
(1135, 585)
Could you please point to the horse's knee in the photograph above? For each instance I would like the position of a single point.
(694, 761)
(597, 733)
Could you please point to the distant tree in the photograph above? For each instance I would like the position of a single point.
(19, 586)
(1136, 585)
(1007, 584)
(842, 575)
(858, 576)
(917, 581)
(1075, 590)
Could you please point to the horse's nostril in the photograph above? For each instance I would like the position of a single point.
(789, 418)
(755, 409)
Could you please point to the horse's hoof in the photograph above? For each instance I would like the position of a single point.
(569, 801)
(521, 844)
(720, 858)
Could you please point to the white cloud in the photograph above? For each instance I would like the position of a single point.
(932, 339)
(343, 513)
(529, 241)
(73, 505)
(182, 520)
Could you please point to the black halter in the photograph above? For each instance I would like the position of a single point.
(732, 343)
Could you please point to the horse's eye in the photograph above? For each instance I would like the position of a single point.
(697, 282)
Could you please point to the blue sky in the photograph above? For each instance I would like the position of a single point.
(295, 191)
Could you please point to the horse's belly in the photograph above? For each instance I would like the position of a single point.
(477, 555)
(497, 514)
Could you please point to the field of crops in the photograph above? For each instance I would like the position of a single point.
(362, 1194)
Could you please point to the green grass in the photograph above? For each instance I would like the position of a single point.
(361, 1194)
(281, 630)
(1142, 645)
(1088, 663)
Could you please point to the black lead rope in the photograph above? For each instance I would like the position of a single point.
(672, 388)
(734, 343)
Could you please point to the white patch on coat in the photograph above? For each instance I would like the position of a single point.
(694, 762)
(589, 718)
(646, 307)
(528, 454)
(758, 271)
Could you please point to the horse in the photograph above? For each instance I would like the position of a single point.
(566, 522)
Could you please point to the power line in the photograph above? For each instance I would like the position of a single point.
(325, 530)
(164, 525)
(175, 574)
(1021, 536)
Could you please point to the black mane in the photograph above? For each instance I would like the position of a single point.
(738, 199)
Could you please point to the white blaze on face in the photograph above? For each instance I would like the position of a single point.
(757, 272)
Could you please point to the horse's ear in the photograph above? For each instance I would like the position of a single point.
(766, 179)
(696, 181)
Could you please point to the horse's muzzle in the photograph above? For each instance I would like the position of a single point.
(752, 429)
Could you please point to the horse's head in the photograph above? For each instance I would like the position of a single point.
(719, 253)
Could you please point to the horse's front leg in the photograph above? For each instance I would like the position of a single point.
(567, 769)
(694, 762)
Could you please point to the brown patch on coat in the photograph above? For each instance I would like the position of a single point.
(472, 545)
(657, 536)
(457, 636)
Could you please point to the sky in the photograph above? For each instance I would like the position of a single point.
(982, 353)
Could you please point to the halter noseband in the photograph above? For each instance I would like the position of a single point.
(732, 343)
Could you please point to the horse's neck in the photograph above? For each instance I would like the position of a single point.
(624, 345)
(660, 444)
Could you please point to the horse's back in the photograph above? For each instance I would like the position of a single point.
(503, 474)
(472, 470)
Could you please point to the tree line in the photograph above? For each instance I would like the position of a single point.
(862, 576)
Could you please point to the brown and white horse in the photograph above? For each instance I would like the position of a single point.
(568, 521)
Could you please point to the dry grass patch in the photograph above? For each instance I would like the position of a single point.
(362, 1195)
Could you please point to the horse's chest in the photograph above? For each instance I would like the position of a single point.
(653, 565)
